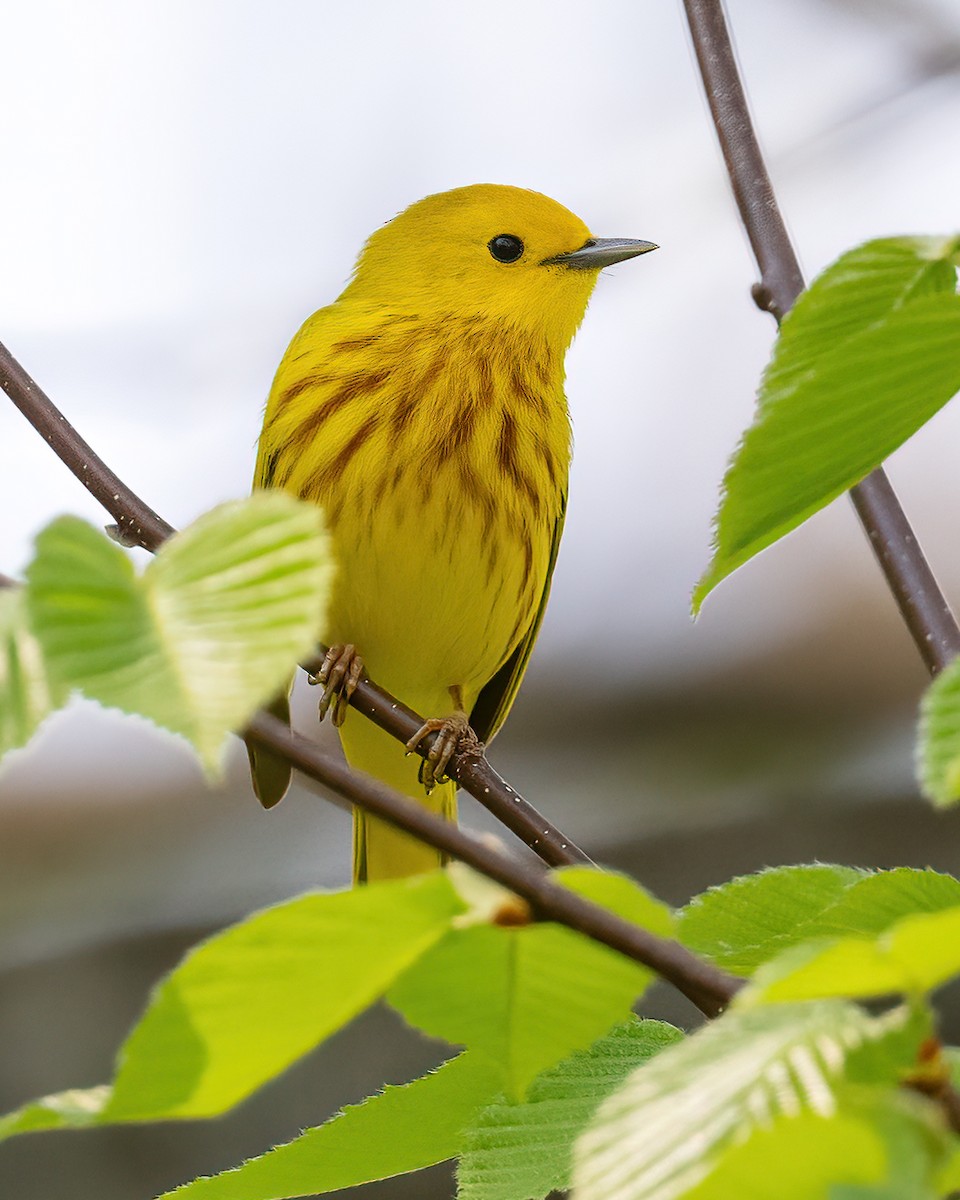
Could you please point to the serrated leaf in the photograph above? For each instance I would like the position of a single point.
(876, 1147)
(488, 987)
(294, 974)
(522, 1151)
(26, 694)
(749, 920)
(867, 355)
(523, 998)
(914, 955)
(245, 1004)
(208, 633)
(878, 899)
(740, 924)
(399, 1130)
(670, 1125)
(938, 738)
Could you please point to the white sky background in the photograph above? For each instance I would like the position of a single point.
(184, 182)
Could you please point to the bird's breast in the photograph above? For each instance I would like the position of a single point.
(442, 466)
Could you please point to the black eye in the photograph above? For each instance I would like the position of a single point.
(505, 247)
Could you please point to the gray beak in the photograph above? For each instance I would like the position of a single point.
(601, 252)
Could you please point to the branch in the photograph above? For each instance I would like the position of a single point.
(139, 525)
(709, 988)
(922, 604)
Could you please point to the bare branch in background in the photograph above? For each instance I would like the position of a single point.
(921, 601)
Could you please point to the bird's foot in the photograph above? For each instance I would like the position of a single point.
(454, 736)
(339, 674)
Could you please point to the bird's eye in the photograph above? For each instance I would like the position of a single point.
(505, 247)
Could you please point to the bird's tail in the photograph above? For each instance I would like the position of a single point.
(379, 850)
(271, 775)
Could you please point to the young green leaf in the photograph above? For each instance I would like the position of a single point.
(528, 996)
(399, 1130)
(673, 1122)
(749, 920)
(245, 1004)
(78, 1108)
(26, 694)
(878, 1146)
(621, 895)
(867, 355)
(878, 899)
(523, 997)
(211, 630)
(522, 1151)
(740, 924)
(914, 955)
(938, 738)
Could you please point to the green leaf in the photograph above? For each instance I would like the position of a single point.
(523, 997)
(521, 1151)
(212, 629)
(78, 1108)
(248, 1002)
(744, 922)
(915, 955)
(674, 1120)
(938, 738)
(401, 1129)
(621, 895)
(748, 921)
(26, 694)
(878, 899)
(883, 1147)
(867, 355)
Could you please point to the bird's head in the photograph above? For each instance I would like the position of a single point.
(497, 252)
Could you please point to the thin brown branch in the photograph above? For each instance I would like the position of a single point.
(473, 773)
(921, 601)
(139, 525)
(709, 988)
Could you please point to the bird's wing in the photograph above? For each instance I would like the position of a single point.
(497, 696)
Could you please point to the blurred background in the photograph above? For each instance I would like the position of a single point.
(184, 183)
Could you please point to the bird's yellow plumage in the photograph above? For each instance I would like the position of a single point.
(425, 411)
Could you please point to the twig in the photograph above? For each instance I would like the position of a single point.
(140, 525)
(709, 988)
(472, 772)
(922, 604)
(706, 986)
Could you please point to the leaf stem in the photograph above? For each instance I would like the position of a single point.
(921, 601)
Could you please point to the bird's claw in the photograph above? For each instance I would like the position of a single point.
(454, 736)
(339, 674)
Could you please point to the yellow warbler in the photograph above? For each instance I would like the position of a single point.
(425, 411)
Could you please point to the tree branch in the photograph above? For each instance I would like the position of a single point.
(709, 988)
(139, 525)
(922, 604)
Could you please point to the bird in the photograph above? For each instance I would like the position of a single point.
(424, 411)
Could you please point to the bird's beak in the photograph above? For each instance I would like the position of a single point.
(601, 252)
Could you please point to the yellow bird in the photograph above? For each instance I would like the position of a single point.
(425, 411)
